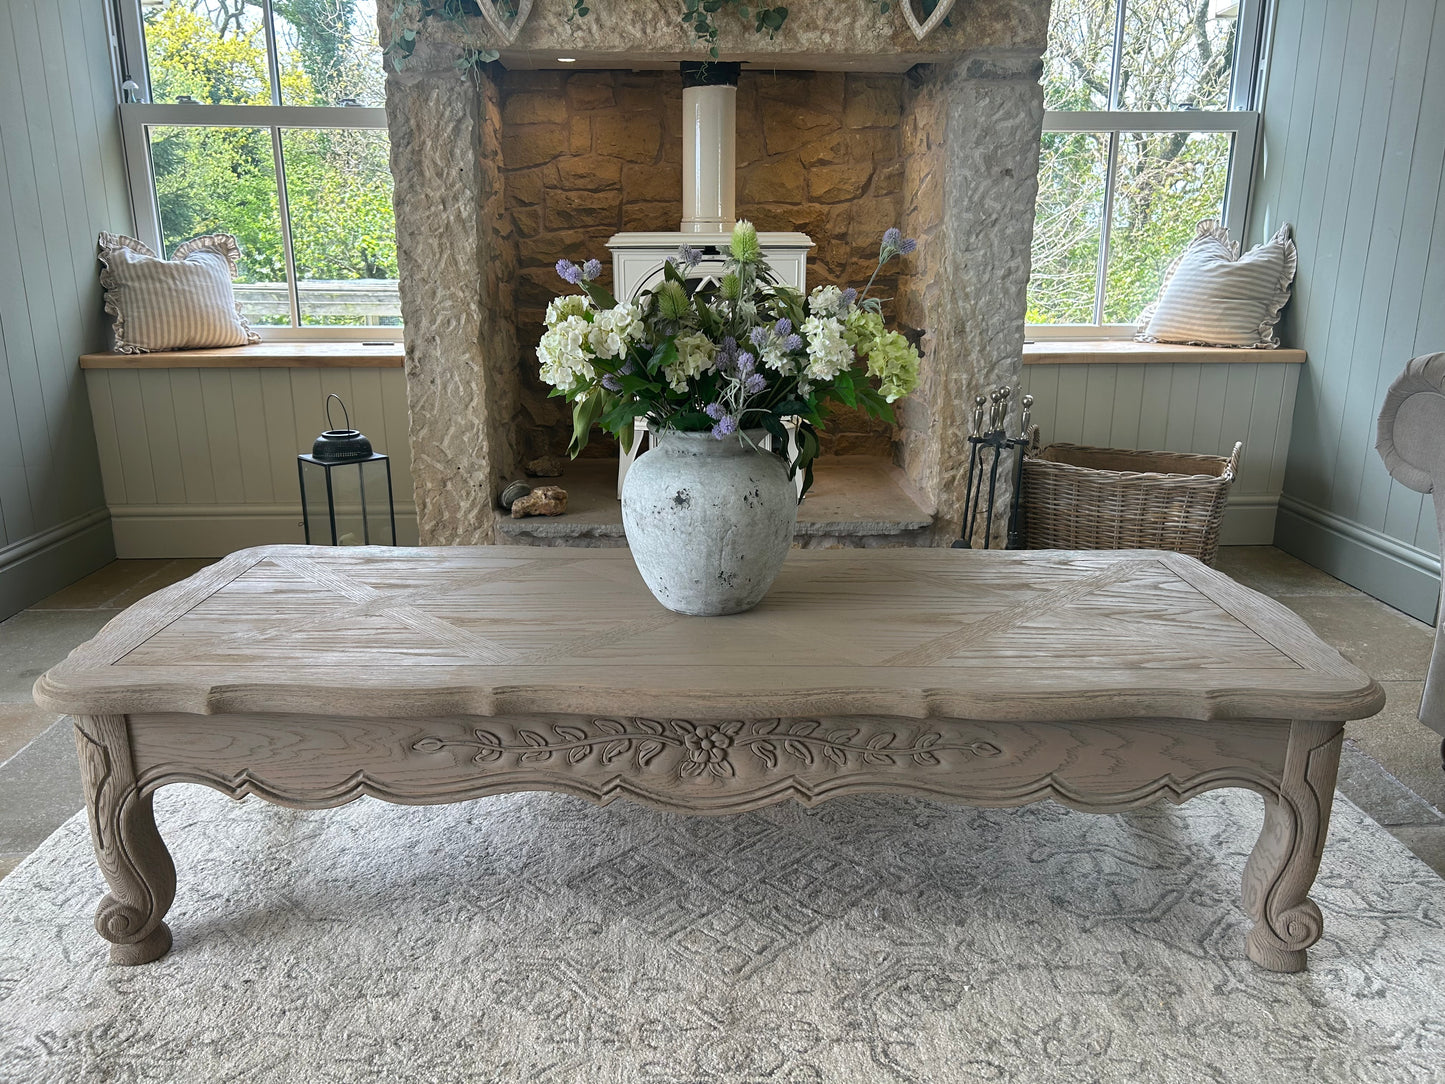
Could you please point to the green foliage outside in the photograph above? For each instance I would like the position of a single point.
(224, 180)
(1176, 55)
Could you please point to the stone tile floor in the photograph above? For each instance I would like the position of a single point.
(1391, 767)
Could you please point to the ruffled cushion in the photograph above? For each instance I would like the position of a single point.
(185, 303)
(1213, 296)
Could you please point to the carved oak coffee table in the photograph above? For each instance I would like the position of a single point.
(1103, 680)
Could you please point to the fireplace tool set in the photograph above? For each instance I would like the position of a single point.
(994, 439)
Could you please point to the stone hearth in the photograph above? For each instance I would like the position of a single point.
(846, 125)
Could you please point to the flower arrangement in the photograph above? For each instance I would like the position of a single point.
(745, 352)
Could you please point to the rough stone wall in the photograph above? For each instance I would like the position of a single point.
(588, 154)
(457, 263)
(972, 188)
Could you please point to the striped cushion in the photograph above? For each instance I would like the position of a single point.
(1213, 296)
(177, 304)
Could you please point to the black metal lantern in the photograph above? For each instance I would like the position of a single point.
(346, 488)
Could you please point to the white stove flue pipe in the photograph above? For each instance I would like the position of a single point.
(709, 148)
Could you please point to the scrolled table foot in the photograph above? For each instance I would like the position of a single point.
(128, 849)
(147, 950)
(1282, 867)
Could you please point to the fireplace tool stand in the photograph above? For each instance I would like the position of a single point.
(994, 439)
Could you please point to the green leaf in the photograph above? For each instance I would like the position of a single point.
(584, 412)
(600, 297)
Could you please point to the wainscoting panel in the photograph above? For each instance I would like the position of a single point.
(201, 462)
(1181, 407)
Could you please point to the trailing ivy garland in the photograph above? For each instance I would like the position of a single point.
(408, 17)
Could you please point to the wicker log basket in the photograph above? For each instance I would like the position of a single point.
(1080, 498)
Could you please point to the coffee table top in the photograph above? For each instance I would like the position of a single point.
(492, 630)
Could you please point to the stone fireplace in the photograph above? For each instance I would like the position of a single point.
(845, 126)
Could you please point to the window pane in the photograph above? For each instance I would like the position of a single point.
(223, 180)
(327, 50)
(343, 235)
(1178, 54)
(209, 50)
(1080, 52)
(1067, 227)
(1167, 182)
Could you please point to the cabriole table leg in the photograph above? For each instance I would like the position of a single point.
(1282, 867)
(129, 850)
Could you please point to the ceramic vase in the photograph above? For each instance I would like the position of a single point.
(709, 521)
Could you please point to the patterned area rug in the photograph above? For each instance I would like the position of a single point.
(537, 939)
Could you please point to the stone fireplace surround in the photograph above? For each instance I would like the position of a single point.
(845, 126)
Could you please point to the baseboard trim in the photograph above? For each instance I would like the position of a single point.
(43, 563)
(1405, 576)
(214, 530)
(1249, 519)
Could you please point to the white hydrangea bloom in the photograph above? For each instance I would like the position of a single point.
(828, 351)
(563, 354)
(615, 330)
(564, 306)
(776, 358)
(695, 353)
(826, 301)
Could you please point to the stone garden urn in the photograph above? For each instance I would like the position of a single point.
(709, 520)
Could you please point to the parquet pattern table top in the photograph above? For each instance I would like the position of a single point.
(912, 632)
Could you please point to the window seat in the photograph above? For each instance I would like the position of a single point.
(266, 355)
(1127, 351)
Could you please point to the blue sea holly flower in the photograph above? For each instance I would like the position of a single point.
(687, 256)
(591, 269)
(759, 337)
(907, 246)
(611, 383)
(714, 411)
(784, 327)
(726, 426)
(892, 236)
(755, 383)
(569, 271)
(746, 363)
(793, 343)
(850, 295)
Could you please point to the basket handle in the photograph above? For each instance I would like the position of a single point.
(1232, 468)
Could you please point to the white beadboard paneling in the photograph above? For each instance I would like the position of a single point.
(60, 184)
(233, 436)
(1217, 405)
(1354, 152)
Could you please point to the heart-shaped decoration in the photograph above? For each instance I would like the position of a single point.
(508, 29)
(922, 30)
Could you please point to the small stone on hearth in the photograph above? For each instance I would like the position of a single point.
(546, 466)
(542, 501)
(513, 492)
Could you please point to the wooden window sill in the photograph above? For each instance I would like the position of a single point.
(1127, 352)
(267, 355)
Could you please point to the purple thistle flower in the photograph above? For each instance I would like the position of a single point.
(726, 426)
(687, 256)
(591, 269)
(569, 271)
(792, 343)
(850, 295)
(714, 411)
(746, 363)
(907, 246)
(755, 383)
(759, 337)
(611, 383)
(892, 236)
(730, 345)
(783, 327)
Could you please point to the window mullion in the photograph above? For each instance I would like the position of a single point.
(1102, 273)
(273, 62)
(284, 209)
(1116, 63)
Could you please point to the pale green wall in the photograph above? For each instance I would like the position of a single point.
(1354, 137)
(61, 182)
